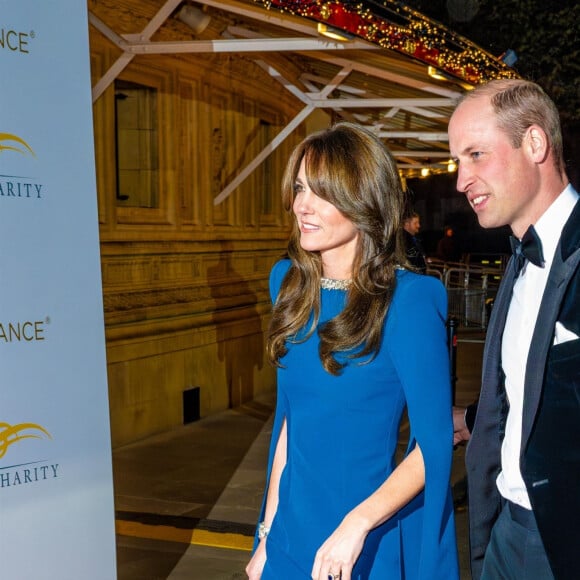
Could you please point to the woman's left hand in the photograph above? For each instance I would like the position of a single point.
(337, 556)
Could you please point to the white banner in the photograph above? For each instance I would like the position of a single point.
(56, 495)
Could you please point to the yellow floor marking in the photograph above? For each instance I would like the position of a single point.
(197, 537)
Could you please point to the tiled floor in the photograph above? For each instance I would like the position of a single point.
(187, 501)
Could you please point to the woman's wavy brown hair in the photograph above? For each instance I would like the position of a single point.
(351, 168)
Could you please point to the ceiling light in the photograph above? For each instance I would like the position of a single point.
(425, 171)
(194, 17)
(333, 33)
(436, 73)
(451, 166)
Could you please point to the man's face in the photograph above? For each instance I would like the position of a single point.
(499, 181)
(413, 225)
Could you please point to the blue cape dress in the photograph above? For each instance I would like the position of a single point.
(342, 438)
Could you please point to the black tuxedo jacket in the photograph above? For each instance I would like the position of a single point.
(550, 453)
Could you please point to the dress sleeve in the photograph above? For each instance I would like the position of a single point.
(276, 277)
(418, 346)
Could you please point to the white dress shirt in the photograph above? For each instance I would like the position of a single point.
(517, 337)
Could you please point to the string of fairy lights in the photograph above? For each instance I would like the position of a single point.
(393, 25)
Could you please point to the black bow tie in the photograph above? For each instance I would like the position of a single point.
(530, 248)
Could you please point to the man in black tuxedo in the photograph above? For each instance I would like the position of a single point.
(523, 456)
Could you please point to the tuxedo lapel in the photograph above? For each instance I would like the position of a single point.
(492, 352)
(489, 405)
(566, 260)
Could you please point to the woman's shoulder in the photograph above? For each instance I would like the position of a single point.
(280, 268)
(418, 284)
(277, 274)
(409, 277)
(418, 298)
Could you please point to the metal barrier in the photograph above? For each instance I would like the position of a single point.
(468, 306)
(469, 291)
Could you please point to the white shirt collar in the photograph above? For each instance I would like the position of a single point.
(549, 226)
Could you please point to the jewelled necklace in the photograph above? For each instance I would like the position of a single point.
(331, 284)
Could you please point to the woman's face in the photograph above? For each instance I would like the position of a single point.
(324, 229)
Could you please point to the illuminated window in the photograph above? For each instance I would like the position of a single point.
(136, 145)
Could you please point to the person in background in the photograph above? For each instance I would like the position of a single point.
(523, 459)
(347, 321)
(446, 248)
(414, 250)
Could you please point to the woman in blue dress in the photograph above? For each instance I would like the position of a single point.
(357, 339)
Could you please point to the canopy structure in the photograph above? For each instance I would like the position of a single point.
(380, 64)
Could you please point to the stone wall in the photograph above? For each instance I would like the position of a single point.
(185, 281)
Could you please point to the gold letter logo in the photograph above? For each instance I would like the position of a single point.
(21, 147)
(10, 434)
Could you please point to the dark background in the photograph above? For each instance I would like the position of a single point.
(546, 39)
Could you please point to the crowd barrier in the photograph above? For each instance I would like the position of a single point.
(471, 289)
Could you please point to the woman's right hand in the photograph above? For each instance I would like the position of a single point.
(256, 564)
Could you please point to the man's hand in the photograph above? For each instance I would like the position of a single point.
(460, 431)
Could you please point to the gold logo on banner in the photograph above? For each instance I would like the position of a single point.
(11, 434)
(13, 186)
(14, 143)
